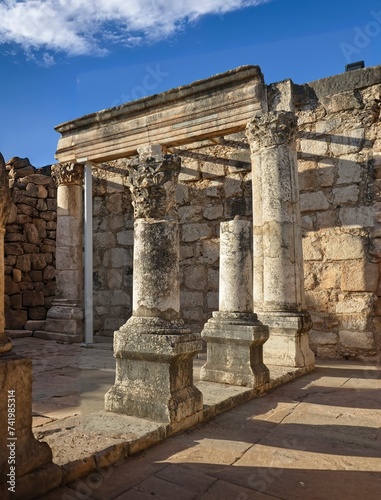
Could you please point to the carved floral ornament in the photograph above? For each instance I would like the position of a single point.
(5, 196)
(272, 129)
(67, 173)
(152, 182)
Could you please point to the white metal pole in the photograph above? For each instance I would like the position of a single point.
(88, 257)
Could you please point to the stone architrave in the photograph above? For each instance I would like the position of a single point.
(65, 318)
(234, 336)
(154, 351)
(5, 207)
(278, 257)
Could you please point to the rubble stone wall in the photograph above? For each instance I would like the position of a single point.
(29, 246)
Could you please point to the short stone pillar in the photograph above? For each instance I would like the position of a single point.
(154, 351)
(65, 318)
(278, 257)
(233, 335)
(26, 468)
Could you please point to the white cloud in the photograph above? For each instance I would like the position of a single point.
(78, 27)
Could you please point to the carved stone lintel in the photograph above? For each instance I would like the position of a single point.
(272, 129)
(152, 181)
(67, 173)
(5, 196)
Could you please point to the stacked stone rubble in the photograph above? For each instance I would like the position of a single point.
(30, 244)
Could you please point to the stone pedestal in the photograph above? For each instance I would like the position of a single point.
(154, 351)
(26, 468)
(234, 336)
(278, 258)
(65, 318)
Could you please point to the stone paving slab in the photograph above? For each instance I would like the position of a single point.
(317, 425)
(302, 441)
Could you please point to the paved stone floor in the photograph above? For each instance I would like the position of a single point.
(317, 437)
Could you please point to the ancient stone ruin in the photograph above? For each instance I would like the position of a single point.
(336, 142)
(228, 211)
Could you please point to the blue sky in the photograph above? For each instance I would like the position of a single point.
(61, 59)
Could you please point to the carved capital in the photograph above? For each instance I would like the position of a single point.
(152, 181)
(67, 173)
(277, 128)
(5, 195)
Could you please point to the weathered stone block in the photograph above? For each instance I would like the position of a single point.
(104, 240)
(15, 320)
(212, 301)
(355, 303)
(10, 286)
(313, 201)
(125, 238)
(214, 212)
(193, 232)
(207, 251)
(37, 313)
(195, 277)
(350, 172)
(341, 102)
(16, 301)
(357, 340)
(330, 275)
(314, 146)
(344, 246)
(33, 298)
(212, 169)
(359, 276)
(350, 141)
(357, 216)
(16, 275)
(13, 249)
(38, 261)
(323, 338)
(326, 173)
(192, 299)
(312, 249)
(345, 195)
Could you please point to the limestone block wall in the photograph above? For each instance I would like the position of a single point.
(214, 186)
(29, 246)
(339, 140)
(113, 249)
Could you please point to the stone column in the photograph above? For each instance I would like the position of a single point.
(234, 336)
(278, 258)
(154, 351)
(65, 318)
(26, 468)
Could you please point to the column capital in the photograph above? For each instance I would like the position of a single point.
(152, 181)
(67, 173)
(5, 195)
(272, 129)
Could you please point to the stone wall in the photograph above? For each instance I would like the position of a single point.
(113, 247)
(29, 246)
(339, 136)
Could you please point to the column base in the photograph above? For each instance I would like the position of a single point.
(34, 470)
(288, 344)
(154, 371)
(64, 321)
(235, 350)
